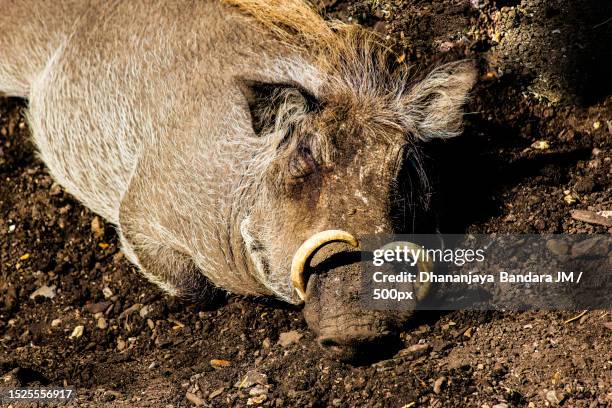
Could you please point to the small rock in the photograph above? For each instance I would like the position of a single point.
(583, 248)
(490, 75)
(216, 393)
(596, 125)
(134, 308)
(499, 369)
(44, 291)
(11, 229)
(469, 332)
(291, 337)
(144, 311)
(120, 344)
(218, 363)
(551, 396)
(591, 217)
(500, 405)
(107, 292)
(56, 322)
(447, 326)
(77, 332)
(194, 399)
(102, 324)
(251, 378)
(539, 224)
(98, 307)
(439, 385)
(446, 46)
(97, 228)
(258, 390)
(570, 198)
(266, 343)
(557, 247)
(541, 145)
(257, 400)
(478, 3)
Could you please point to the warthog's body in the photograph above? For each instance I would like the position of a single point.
(216, 137)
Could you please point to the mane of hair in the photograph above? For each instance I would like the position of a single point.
(292, 21)
(363, 73)
(336, 47)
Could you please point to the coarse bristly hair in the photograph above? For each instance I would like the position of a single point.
(358, 61)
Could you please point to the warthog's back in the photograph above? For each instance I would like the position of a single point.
(30, 32)
(122, 77)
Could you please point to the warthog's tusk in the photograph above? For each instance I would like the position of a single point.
(309, 247)
(423, 265)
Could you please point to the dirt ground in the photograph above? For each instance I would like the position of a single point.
(537, 145)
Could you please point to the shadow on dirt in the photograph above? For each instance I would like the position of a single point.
(469, 173)
(587, 31)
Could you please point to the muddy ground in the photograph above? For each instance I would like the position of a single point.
(537, 145)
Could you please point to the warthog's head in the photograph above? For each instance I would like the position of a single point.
(342, 157)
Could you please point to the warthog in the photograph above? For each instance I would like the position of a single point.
(230, 141)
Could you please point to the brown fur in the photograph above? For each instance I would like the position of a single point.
(218, 137)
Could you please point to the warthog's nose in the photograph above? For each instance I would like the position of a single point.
(356, 346)
(331, 344)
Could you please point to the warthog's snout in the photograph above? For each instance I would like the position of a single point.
(356, 337)
(333, 308)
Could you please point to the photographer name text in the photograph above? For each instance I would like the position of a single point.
(502, 277)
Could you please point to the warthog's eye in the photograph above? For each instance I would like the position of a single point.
(302, 163)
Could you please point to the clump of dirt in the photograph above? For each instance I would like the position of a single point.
(536, 146)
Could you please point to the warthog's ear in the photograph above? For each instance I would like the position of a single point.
(275, 105)
(434, 105)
